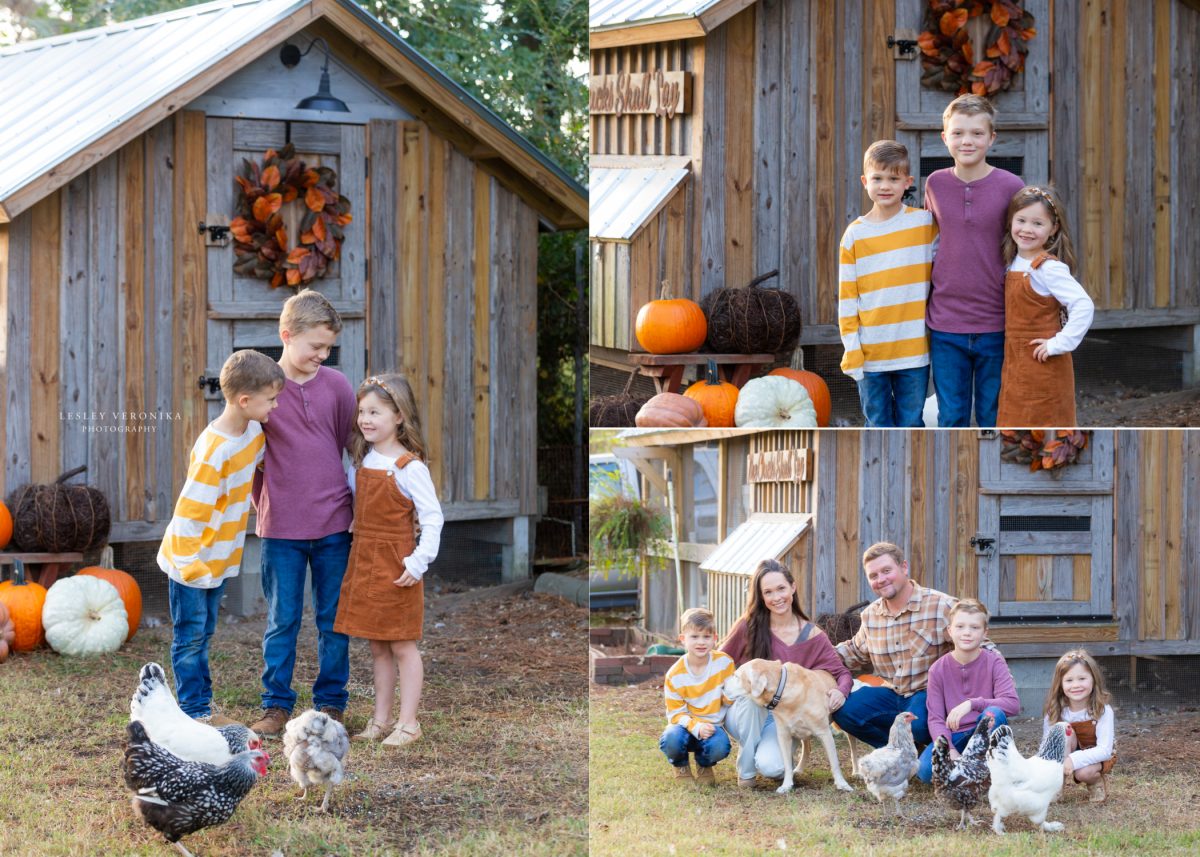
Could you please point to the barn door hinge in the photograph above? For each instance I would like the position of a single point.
(984, 546)
(903, 45)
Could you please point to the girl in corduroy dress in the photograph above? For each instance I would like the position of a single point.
(382, 598)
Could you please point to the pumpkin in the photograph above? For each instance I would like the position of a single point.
(7, 633)
(127, 588)
(6, 526)
(84, 616)
(59, 517)
(814, 383)
(617, 411)
(24, 601)
(717, 398)
(670, 326)
(774, 402)
(671, 410)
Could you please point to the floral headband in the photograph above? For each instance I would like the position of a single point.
(376, 381)
(1044, 195)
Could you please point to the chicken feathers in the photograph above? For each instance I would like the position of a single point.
(886, 771)
(1023, 786)
(963, 781)
(316, 746)
(154, 706)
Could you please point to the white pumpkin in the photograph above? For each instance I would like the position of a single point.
(774, 402)
(84, 616)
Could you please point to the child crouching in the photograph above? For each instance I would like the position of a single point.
(1078, 695)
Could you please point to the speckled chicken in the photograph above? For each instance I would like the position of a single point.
(316, 745)
(962, 782)
(886, 771)
(1023, 786)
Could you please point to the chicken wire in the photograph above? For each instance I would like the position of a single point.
(562, 471)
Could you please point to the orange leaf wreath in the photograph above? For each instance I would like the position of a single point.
(946, 53)
(1043, 449)
(260, 238)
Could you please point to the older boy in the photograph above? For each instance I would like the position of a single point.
(884, 278)
(966, 303)
(304, 511)
(202, 546)
(695, 701)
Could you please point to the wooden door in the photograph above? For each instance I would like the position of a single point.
(1045, 539)
(244, 312)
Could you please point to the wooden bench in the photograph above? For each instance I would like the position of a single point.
(49, 565)
(667, 369)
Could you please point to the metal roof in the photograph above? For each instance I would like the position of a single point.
(623, 200)
(621, 13)
(766, 535)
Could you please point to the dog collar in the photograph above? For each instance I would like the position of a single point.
(779, 690)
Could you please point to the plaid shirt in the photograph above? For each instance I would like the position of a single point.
(900, 649)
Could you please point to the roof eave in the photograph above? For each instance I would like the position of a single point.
(667, 29)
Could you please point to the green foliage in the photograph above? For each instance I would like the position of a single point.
(620, 526)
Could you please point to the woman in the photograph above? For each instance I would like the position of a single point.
(774, 627)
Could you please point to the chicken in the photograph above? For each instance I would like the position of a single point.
(177, 797)
(1023, 786)
(315, 745)
(886, 771)
(154, 706)
(963, 781)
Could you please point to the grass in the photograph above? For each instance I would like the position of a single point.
(498, 772)
(637, 808)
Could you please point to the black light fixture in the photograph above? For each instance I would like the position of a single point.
(290, 56)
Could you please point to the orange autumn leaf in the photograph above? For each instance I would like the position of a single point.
(1047, 463)
(928, 43)
(999, 15)
(979, 88)
(281, 237)
(318, 229)
(308, 238)
(270, 153)
(310, 178)
(267, 205)
(314, 199)
(952, 21)
(296, 255)
(293, 277)
(343, 219)
(289, 193)
(1028, 34)
(1052, 445)
(277, 280)
(982, 68)
(270, 177)
(968, 52)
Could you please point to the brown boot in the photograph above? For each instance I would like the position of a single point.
(336, 713)
(704, 776)
(683, 772)
(272, 722)
(218, 720)
(1096, 791)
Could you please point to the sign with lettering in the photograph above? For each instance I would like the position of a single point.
(661, 93)
(783, 465)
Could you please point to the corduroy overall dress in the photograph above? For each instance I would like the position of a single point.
(1085, 734)
(1033, 394)
(371, 605)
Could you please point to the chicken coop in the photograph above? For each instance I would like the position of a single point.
(752, 118)
(124, 289)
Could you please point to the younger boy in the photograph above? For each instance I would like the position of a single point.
(304, 511)
(883, 281)
(695, 702)
(202, 547)
(966, 302)
(966, 684)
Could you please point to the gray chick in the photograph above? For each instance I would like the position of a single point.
(315, 746)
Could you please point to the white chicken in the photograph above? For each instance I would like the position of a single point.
(316, 745)
(886, 771)
(165, 723)
(1023, 786)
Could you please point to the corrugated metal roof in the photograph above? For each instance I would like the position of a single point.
(622, 200)
(765, 536)
(618, 13)
(679, 436)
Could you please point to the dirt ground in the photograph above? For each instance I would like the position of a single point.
(1128, 407)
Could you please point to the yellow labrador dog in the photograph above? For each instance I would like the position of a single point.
(797, 697)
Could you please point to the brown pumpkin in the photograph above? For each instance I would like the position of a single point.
(670, 326)
(6, 526)
(818, 390)
(24, 600)
(716, 397)
(7, 633)
(671, 410)
(125, 585)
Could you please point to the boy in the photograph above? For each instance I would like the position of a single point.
(304, 511)
(202, 547)
(966, 684)
(695, 701)
(966, 303)
(883, 281)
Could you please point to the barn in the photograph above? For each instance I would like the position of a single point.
(117, 279)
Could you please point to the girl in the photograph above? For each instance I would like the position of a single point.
(1037, 383)
(774, 627)
(1079, 697)
(382, 594)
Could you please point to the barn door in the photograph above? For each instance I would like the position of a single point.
(244, 312)
(1023, 111)
(1045, 540)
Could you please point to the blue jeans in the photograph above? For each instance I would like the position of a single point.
(193, 621)
(963, 362)
(894, 399)
(869, 712)
(676, 742)
(284, 565)
(959, 739)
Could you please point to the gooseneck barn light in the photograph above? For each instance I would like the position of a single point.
(290, 56)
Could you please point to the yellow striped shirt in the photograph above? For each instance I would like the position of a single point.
(203, 543)
(695, 699)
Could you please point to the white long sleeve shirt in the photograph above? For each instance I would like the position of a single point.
(416, 484)
(1106, 736)
(1053, 279)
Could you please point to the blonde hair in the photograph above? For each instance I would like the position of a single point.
(879, 549)
(1056, 700)
(970, 105)
(1059, 245)
(308, 309)
(889, 156)
(698, 618)
(970, 605)
(247, 372)
(394, 391)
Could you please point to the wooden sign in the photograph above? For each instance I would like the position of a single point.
(662, 93)
(782, 465)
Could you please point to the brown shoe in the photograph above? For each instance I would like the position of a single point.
(272, 722)
(747, 783)
(704, 776)
(218, 720)
(336, 713)
(683, 772)
(1096, 791)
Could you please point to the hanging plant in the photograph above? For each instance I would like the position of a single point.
(948, 55)
(1043, 449)
(620, 528)
(262, 249)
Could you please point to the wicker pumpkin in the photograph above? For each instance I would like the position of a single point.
(716, 397)
(127, 588)
(6, 525)
(617, 411)
(24, 600)
(818, 390)
(670, 326)
(752, 320)
(7, 633)
(774, 402)
(671, 410)
(58, 517)
(84, 616)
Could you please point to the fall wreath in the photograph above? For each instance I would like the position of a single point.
(1043, 449)
(261, 249)
(948, 60)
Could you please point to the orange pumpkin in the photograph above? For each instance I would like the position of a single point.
(670, 410)
(7, 633)
(716, 397)
(670, 326)
(24, 600)
(125, 585)
(818, 390)
(6, 526)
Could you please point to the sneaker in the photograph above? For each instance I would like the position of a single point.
(272, 722)
(683, 772)
(329, 711)
(1096, 793)
(374, 731)
(402, 735)
(704, 776)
